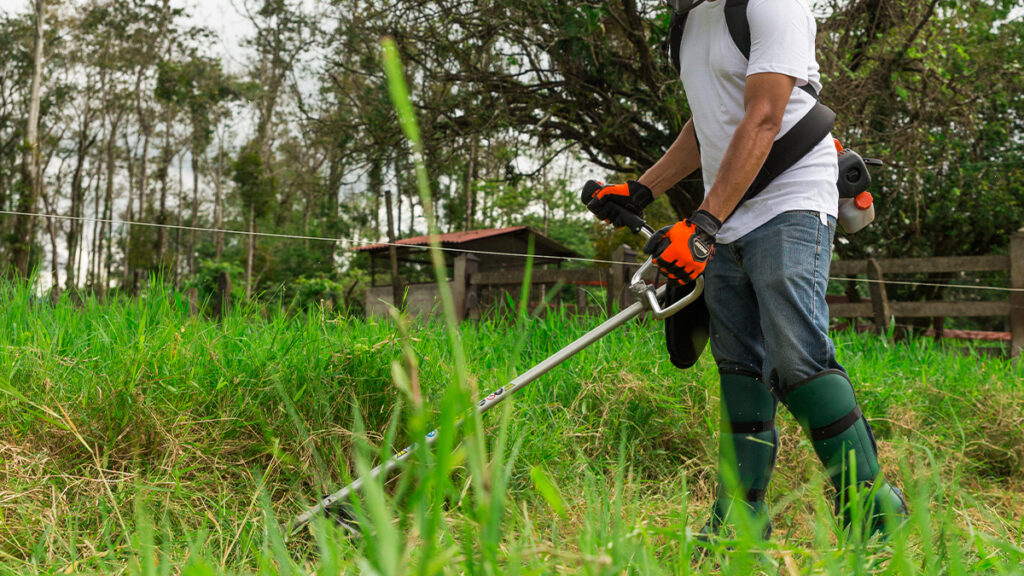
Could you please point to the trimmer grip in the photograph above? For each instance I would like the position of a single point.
(626, 218)
(632, 221)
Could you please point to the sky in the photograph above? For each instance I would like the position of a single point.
(218, 15)
(223, 18)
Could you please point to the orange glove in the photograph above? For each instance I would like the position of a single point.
(619, 205)
(683, 251)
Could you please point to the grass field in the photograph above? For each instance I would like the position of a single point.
(137, 439)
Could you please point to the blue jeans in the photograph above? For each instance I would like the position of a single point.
(766, 296)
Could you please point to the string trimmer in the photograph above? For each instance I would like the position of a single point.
(649, 299)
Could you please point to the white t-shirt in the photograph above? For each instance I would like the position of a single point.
(714, 74)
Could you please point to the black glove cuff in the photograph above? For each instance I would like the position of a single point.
(640, 195)
(652, 243)
(706, 222)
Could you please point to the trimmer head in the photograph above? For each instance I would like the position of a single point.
(344, 516)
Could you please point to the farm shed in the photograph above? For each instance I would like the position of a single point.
(498, 251)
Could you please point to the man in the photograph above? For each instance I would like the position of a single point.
(765, 259)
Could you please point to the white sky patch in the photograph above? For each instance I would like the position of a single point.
(220, 16)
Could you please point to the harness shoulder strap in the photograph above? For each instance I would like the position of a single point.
(803, 137)
(735, 19)
(739, 25)
(676, 26)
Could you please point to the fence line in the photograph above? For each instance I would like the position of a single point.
(878, 308)
(344, 241)
(840, 268)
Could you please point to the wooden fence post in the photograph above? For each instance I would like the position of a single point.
(879, 298)
(463, 293)
(1017, 298)
(618, 278)
(137, 283)
(192, 295)
(222, 300)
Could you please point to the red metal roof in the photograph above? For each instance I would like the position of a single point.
(451, 239)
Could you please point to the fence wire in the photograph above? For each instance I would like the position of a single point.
(351, 245)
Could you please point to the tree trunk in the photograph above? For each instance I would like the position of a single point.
(218, 203)
(77, 200)
(94, 251)
(94, 184)
(179, 221)
(55, 259)
(166, 155)
(105, 225)
(397, 290)
(194, 220)
(107, 228)
(470, 179)
(24, 225)
(131, 213)
(252, 251)
(146, 131)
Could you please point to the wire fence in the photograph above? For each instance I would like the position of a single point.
(353, 244)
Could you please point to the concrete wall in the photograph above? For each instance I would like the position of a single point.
(419, 299)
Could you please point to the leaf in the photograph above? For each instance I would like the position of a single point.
(548, 490)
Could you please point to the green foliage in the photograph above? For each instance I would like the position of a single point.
(200, 86)
(936, 94)
(207, 281)
(256, 187)
(309, 293)
(517, 102)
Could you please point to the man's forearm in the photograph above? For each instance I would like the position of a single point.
(742, 161)
(765, 96)
(678, 162)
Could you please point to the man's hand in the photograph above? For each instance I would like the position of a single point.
(615, 204)
(683, 251)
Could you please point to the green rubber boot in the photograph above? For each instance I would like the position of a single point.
(747, 449)
(827, 409)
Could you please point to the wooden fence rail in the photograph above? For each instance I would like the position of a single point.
(880, 274)
(882, 310)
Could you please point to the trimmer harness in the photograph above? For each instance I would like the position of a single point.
(803, 137)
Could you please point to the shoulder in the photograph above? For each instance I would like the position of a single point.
(778, 9)
(791, 19)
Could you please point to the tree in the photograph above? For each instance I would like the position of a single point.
(199, 87)
(24, 228)
(256, 189)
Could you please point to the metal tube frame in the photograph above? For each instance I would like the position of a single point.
(649, 298)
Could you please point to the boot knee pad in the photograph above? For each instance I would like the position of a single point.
(827, 408)
(748, 434)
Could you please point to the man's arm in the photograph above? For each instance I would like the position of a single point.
(765, 97)
(678, 162)
(614, 204)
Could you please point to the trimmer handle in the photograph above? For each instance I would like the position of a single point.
(630, 220)
(647, 292)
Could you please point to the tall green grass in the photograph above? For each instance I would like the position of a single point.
(137, 438)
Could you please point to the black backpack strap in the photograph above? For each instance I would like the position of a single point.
(803, 137)
(676, 26)
(739, 25)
